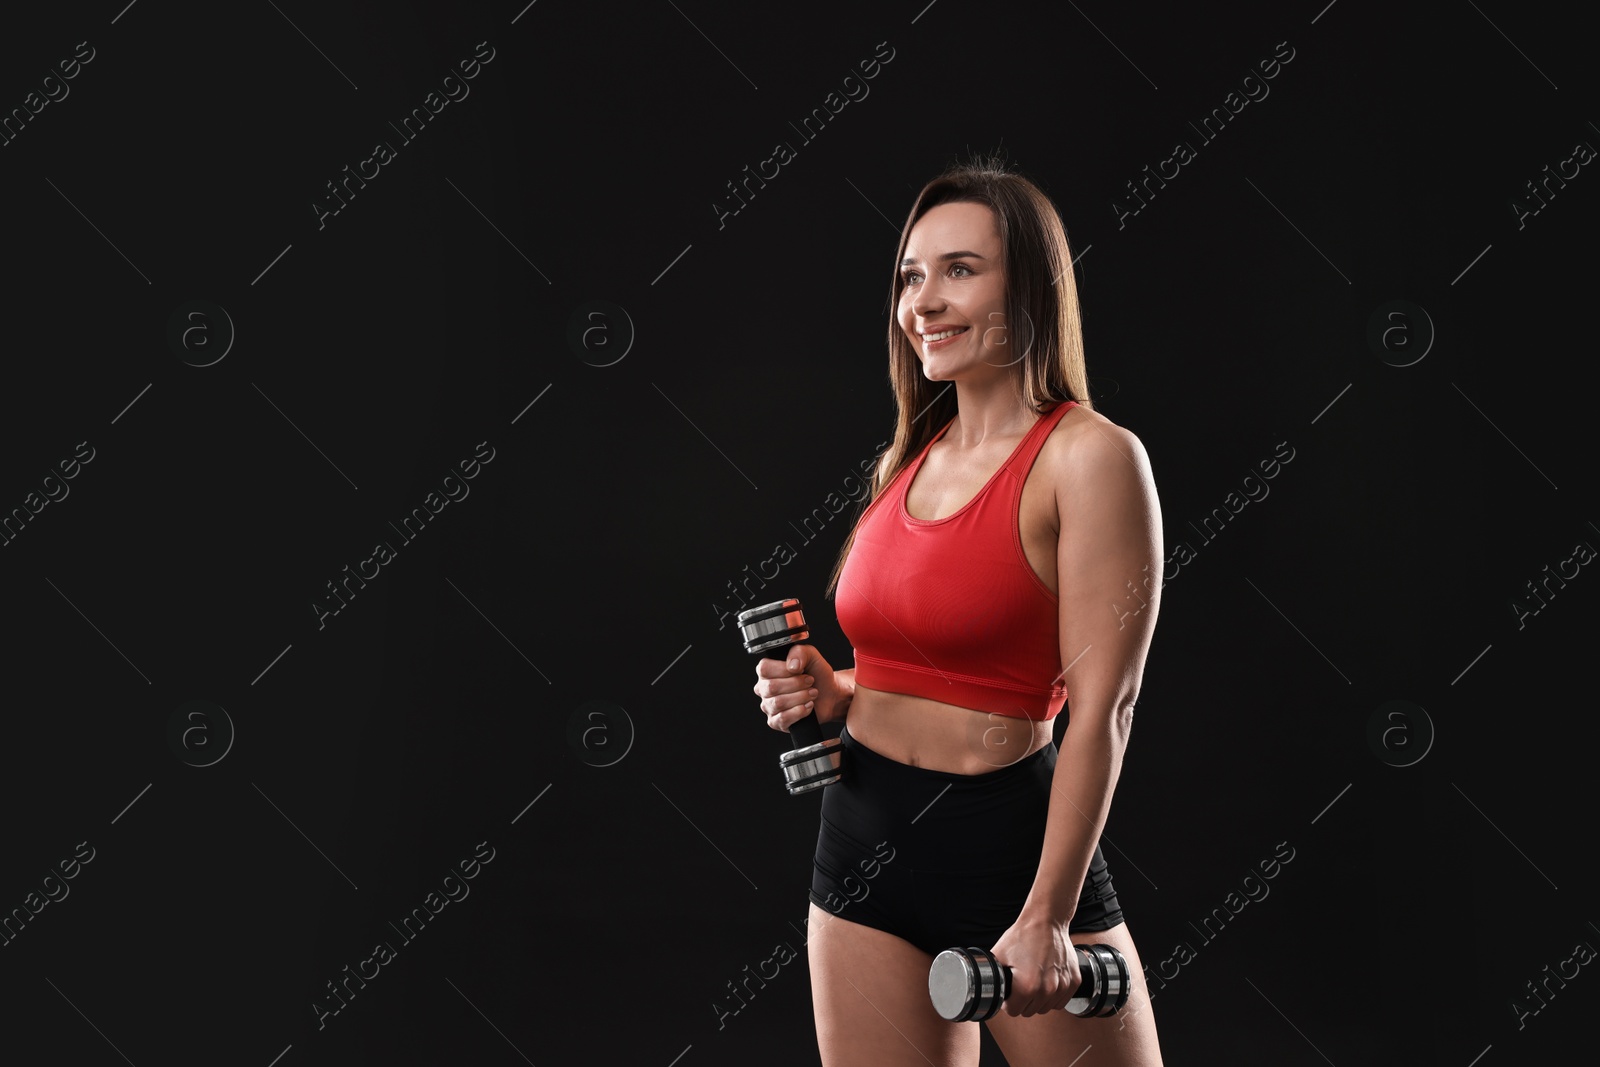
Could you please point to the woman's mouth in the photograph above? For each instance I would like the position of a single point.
(931, 341)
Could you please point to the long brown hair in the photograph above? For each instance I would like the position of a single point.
(1040, 291)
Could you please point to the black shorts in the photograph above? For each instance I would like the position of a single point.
(942, 860)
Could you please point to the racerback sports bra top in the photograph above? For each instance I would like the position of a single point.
(951, 609)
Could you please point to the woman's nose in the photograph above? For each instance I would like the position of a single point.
(927, 299)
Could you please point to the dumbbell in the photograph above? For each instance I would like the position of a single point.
(967, 984)
(771, 630)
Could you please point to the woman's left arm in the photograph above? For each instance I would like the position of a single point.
(1108, 566)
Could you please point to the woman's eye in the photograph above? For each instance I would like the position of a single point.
(911, 276)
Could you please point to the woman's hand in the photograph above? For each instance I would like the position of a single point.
(1043, 962)
(789, 692)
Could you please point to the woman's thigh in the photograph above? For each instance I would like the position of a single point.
(869, 992)
(1126, 1039)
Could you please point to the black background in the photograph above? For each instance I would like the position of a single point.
(375, 352)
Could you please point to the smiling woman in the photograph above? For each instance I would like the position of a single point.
(1003, 518)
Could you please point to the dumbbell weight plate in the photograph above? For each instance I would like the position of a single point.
(961, 982)
(1108, 992)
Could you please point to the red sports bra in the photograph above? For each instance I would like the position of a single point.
(951, 609)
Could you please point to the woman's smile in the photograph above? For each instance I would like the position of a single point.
(940, 338)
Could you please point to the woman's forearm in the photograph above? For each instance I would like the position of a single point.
(1087, 769)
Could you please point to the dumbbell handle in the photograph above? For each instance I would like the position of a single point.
(1086, 987)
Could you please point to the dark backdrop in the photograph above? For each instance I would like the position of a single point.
(251, 783)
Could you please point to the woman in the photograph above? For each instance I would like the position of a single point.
(1007, 559)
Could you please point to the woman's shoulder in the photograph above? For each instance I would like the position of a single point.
(1084, 443)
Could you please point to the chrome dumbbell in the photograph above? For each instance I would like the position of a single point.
(967, 984)
(771, 630)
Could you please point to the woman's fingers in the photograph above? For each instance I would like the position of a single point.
(787, 718)
(777, 686)
(801, 703)
(786, 697)
(773, 670)
(782, 687)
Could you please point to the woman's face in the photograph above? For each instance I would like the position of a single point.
(954, 279)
